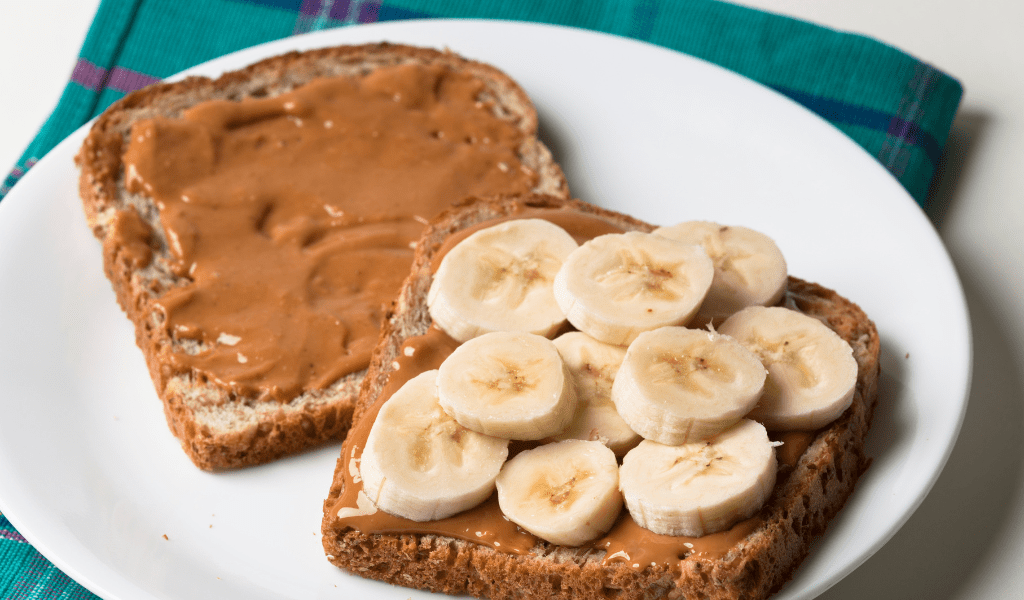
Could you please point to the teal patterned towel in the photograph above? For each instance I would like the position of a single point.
(26, 575)
(898, 108)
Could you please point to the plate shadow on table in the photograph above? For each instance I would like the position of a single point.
(958, 158)
(953, 535)
(948, 542)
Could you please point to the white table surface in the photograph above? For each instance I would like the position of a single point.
(967, 538)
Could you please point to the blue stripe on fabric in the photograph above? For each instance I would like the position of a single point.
(294, 5)
(845, 113)
(393, 13)
(644, 14)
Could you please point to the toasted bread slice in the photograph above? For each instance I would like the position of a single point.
(219, 427)
(758, 556)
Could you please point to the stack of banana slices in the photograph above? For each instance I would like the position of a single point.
(630, 406)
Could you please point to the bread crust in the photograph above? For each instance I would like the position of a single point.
(806, 497)
(217, 428)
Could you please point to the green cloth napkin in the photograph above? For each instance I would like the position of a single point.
(895, 106)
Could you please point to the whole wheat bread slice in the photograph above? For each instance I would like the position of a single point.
(807, 496)
(219, 429)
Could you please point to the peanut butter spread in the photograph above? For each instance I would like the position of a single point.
(291, 220)
(485, 524)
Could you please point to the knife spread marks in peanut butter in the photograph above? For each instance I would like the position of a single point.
(292, 219)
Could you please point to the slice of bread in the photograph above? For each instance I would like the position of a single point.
(220, 428)
(812, 485)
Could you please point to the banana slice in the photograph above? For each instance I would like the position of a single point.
(508, 384)
(618, 285)
(593, 366)
(420, 464)
(679, 385)
(565, 492)
(811, 370)
(749, 267)
(702, 487)
(499, 279)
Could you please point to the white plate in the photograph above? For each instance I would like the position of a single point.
(90, 474)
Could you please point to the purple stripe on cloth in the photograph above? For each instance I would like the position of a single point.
(88, 75)
(5, 186)
(7, 534)
(898, 128)
(126, 80)
(340, 9)
(903, 129)
(94, 78)
(369, 12)
(311, 8)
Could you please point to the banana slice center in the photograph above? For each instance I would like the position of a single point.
(600, 377)
(561, 494)
(442, 441)
(636, 274)
(697, 373)
(512, 278)
(727, 257)
(794, 354)
(502, 379)
(704, 462)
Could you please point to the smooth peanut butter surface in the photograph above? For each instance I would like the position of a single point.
(293, 218)
(626, 542)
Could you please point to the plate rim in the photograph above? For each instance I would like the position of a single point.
(339, 36)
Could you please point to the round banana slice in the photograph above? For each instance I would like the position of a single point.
(593, 366)
(811, 370)
(679, 385)
(565, 492)
(420, 464)
(749, 267)
(500, 279)
(616, 286)
(702, 487)
(508, 384)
